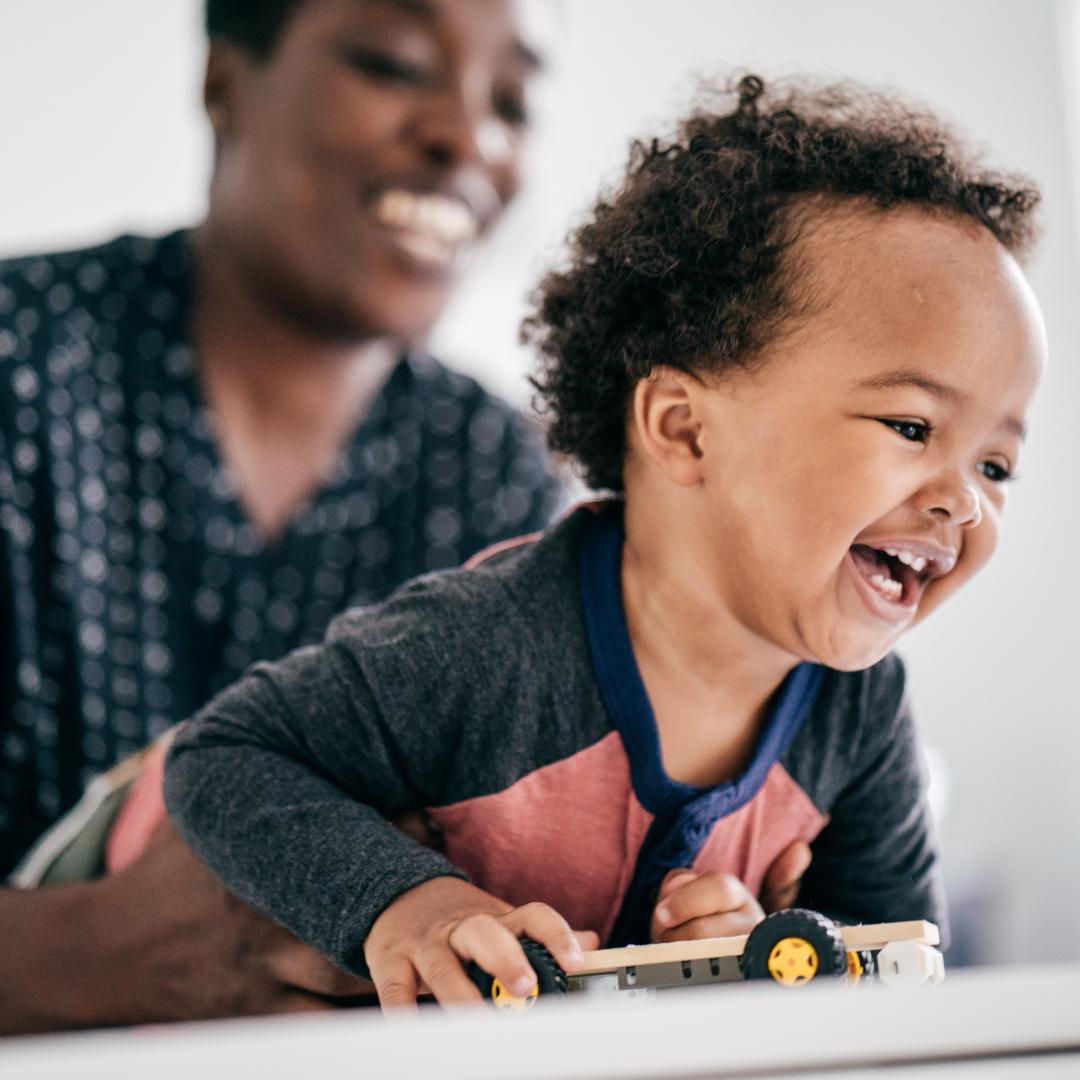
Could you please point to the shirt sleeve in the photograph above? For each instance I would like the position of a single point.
(284, 782)
(876, 860)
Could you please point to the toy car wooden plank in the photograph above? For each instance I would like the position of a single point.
(855, 938)
(790, 947)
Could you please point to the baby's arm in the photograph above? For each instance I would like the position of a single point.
(283, 783)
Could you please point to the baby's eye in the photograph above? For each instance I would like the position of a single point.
(995, 472)
(912, 430)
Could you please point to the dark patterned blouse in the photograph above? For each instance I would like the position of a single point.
(132, 585)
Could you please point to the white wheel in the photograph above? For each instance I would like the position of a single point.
(910, 963)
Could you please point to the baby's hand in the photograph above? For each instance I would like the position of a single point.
(425, 937)
(691, 906)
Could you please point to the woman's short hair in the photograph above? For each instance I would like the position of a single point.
(254, 25)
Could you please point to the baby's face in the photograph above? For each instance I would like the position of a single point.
(858, 478)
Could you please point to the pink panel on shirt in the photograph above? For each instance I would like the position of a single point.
(142, 811)
(746, 842)
(567, 834)
(595, 505)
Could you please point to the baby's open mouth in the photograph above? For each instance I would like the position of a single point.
(898, 575)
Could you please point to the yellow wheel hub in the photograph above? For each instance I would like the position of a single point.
(793, 961)
(855, 967)
(505, 1000)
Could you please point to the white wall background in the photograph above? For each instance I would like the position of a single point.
(100, 130)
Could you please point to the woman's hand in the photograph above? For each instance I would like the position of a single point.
(691, 906)
(188, 949)
(422, 941)
(160, 940)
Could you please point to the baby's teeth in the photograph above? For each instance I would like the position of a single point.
(909, 558)
(890, 588)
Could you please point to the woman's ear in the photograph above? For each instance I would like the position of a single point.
(224, 67)
(668, 424)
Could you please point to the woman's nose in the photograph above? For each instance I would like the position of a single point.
(955, 497)
(461, 126)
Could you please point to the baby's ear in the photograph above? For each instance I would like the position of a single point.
(667, 423)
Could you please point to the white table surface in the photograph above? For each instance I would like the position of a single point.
(989, 1024)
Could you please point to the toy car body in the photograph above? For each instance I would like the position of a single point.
(791, 947)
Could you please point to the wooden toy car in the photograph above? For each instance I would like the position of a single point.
(792, 947)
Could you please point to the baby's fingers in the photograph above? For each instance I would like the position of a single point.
(587, 939)
(492, 945)
(546, 926)
(441, 966)
(396, 984)
(708, 895)
(729, 924)
(673, 880)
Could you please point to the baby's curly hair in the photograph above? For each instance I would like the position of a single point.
(684, 264)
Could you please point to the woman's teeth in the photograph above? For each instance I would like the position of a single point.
(908, 558)
(429, 227)
(886, 585)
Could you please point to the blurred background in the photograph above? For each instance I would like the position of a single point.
(101, 131)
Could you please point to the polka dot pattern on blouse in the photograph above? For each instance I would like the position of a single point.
(132, 584)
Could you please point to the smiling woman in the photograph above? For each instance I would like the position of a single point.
(213, 441)
(357, 163)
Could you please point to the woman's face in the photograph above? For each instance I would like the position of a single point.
(360, 162)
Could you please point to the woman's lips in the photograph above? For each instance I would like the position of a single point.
(431, 229)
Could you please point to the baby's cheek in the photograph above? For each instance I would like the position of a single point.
(979, 545)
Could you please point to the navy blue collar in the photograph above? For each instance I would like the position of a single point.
(624, 694)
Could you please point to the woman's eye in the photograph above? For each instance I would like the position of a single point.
(995, 472)
(384, 65)
(912, 430)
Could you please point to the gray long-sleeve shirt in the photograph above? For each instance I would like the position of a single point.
(504, 700)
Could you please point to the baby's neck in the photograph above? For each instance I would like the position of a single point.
(709, 678)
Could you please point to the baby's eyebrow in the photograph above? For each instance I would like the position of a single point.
(943, 391)
(907, 377)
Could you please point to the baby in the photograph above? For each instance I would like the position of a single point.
(798, 349)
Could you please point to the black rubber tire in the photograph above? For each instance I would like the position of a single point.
(821, 933)
(550, 976)
(868, 959)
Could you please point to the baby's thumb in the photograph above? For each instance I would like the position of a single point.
(673, 880)
(587, 940)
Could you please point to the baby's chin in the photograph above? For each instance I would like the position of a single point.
(845, 652)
